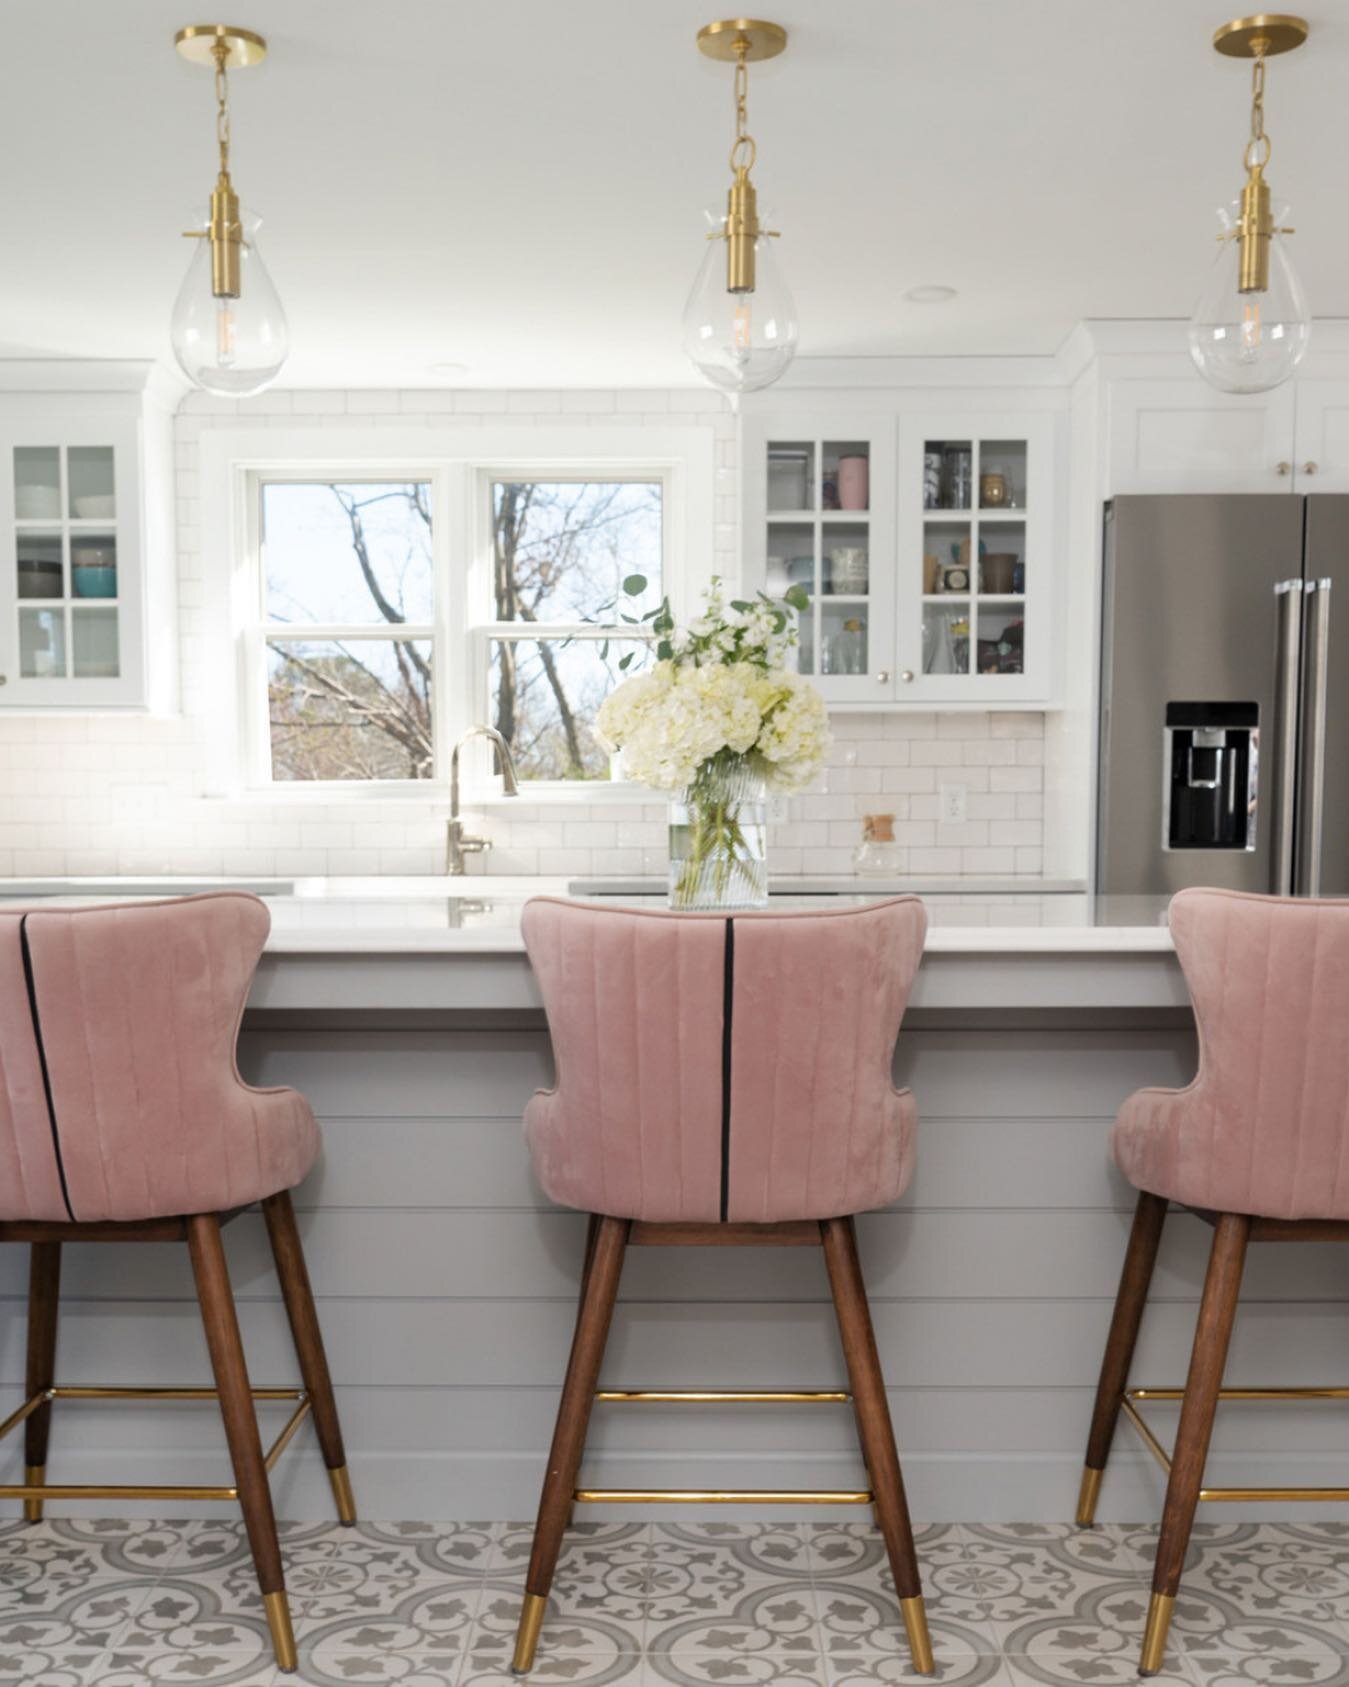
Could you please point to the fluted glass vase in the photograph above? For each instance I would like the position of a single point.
(719, 838)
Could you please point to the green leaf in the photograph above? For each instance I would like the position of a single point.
(664, 650)
(798, 597)
(631, 620)
(741, 605)
(624, 661)
(635, 585)
(604, 651)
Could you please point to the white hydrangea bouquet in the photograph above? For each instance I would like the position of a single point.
(719, 722)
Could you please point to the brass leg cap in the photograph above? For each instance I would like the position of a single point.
(35, 1476)
(346, 1505)
(277, 1607)
(1087, 1496)
(915, 1627)
(527, 1635)
(1154, 1635)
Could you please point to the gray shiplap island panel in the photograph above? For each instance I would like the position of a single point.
(445, 1279)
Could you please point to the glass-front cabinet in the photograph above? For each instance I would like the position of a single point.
(820, 508)
(975, 560)
(926, 544)
(70, 580)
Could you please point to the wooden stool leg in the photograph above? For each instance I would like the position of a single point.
(599, 1291)
(1217, 1312)
(874, 1429)
(241, 1426)
(1139, 1260)
(44, 1291)
(288, 1252)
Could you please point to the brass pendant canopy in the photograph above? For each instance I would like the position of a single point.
(1263, 36)
(200, 42)
(732, 37)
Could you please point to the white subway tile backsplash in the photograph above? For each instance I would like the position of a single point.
(126, 793)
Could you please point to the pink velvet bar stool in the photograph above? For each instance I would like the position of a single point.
(123, 1118)
(723, 1080)
(1257, 1146)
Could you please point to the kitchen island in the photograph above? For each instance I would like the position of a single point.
(410, 1018)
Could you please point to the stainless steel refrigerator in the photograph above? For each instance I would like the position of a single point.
(1224, 715)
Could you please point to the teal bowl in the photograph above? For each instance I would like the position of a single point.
(94, 580)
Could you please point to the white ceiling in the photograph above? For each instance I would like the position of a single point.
(519, 188)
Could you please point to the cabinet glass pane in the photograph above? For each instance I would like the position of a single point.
(39, 564)
(93, 565)
(1002, 558)
(1002, 639)
(42, 643)
(37, 482)
(846, 475)
(948, 546)
(93, 643)
(948, 474)
(1002, 474)
(791, 475)
(946, 638)
(843, 638)
(845, 569)
(791, 558)
(89, 470)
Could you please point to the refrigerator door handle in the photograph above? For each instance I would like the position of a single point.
(1288, 604)
(1313, 777)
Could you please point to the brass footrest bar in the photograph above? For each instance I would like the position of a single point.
(143, 1491)
(1240, 1495)
(724, 1496)
(725, 1396)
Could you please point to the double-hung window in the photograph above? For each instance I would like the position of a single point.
(346, 656)
(385, 600)
(562, 629)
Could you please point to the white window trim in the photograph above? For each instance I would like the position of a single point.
(460, 462)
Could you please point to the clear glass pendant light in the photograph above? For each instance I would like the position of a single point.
(1250, 327)
(1249, 341)
(740, 328)
(740, 341)
(233, 346)
(228, 329)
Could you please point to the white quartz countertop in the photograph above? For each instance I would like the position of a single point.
(481, 914)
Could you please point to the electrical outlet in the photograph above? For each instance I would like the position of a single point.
(954, 803)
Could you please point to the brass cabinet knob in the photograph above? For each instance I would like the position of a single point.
(1285, 468)
(1310, 468)
(907, 676)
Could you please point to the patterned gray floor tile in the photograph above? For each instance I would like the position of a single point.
(954, 1669)
(697, 1669)
(724, 1610)
(37, 1666)
(564, 1638)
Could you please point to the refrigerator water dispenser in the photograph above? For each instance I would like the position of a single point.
(1211, 765)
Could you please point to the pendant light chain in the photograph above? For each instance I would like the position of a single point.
(222, 106)
(1258, 148)
(743, 148)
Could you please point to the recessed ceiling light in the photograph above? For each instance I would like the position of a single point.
(447, 368)
(932, 294)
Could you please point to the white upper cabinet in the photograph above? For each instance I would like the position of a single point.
(1177, 434)
(1321, 436)
(820, 513)
(87, 599)
(927, 542)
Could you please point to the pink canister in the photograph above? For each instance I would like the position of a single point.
(853, 483)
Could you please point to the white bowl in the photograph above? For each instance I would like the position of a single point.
(95, 504)
(37, 503)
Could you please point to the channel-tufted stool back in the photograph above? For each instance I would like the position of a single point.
(119, 1094)
(717, 1067)
(1264, 1127)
